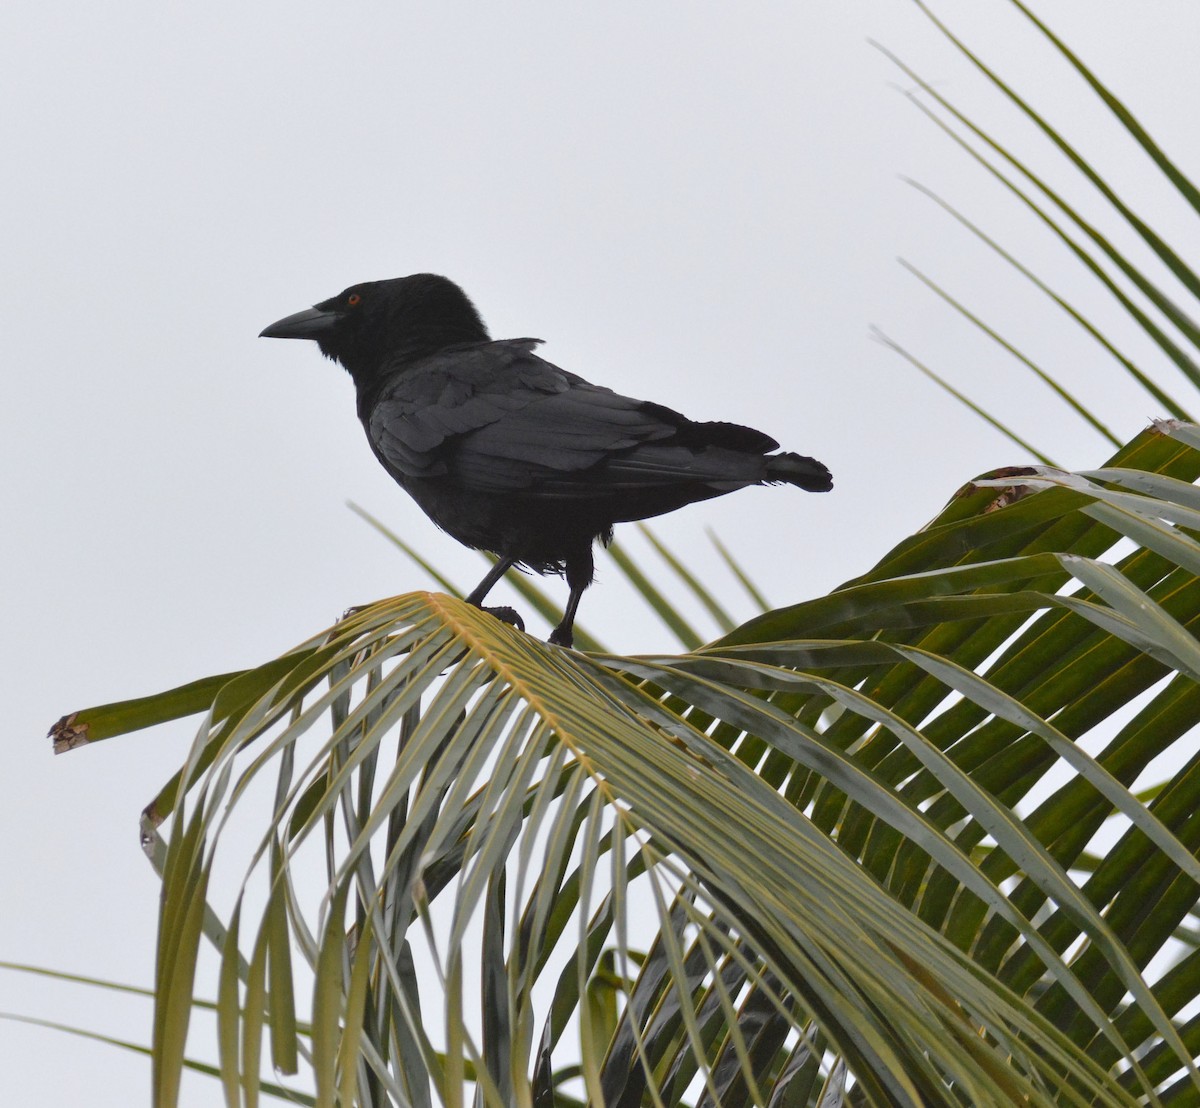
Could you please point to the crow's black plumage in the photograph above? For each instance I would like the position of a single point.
(511, 454)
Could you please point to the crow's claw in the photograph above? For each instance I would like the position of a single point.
(507, 615)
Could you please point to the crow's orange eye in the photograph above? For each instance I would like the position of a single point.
(353, 299)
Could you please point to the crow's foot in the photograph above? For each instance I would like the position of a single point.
(507, 615)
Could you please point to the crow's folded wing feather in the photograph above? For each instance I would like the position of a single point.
(497, 418)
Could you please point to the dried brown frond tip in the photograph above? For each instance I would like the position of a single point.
(67, 735)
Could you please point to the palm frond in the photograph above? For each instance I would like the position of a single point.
(883, 845)
(1166, 319)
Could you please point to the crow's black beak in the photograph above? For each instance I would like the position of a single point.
(311, 323)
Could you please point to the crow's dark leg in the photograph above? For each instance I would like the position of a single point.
(580, 571)
(505, 613)
(480, 591)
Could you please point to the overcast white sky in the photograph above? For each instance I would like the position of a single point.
(693, 202)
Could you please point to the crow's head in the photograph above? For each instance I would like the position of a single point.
(380, 325)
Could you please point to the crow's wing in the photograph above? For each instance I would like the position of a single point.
(497, 418)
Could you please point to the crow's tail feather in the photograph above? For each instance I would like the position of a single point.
(796, 469)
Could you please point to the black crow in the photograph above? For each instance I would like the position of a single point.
(511, 454)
